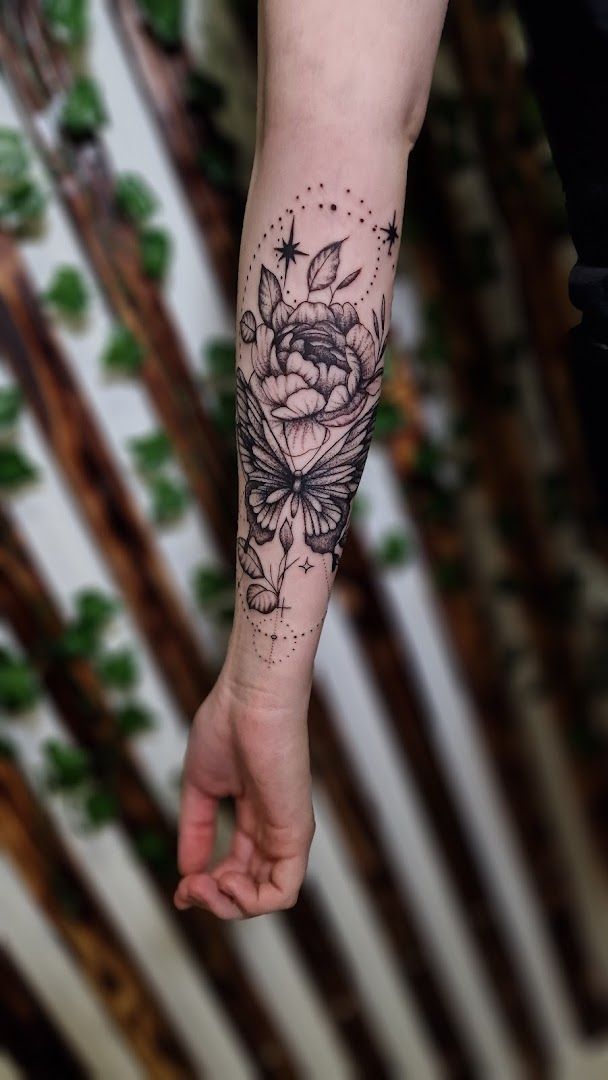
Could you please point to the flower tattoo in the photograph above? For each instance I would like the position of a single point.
(305, 418)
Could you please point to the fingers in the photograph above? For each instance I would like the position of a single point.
(201, 890)
(196, 829)
(235, 894)
(277, 893)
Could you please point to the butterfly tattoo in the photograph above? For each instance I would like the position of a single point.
(323, 490)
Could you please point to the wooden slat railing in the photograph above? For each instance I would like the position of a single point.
(505, 479)
(28, 607)
(162, 75)
(495, 85)
(29, 837)
(35, 1045)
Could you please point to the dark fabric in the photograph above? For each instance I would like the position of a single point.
(569, 71)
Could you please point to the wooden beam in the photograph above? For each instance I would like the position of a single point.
(505, 479)
(27, 605)
(74, 438)
(27, 1032)
(164, 75)
(29, 837)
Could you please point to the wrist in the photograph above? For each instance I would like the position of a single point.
(253, 676)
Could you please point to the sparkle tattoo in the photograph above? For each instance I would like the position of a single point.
(305, 414)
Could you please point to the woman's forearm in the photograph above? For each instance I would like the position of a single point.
(343, 90)
(318, 257)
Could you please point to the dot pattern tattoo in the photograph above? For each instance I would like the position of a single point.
(306, 411)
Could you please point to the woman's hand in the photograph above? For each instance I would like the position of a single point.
(253, 747)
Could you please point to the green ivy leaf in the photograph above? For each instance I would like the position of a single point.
(218, 162)
(22, 207)
(93, 612)
(395, 549)
(15, 469)
(67, 20)
(210, 583)
(389, 419)
(94, 609)
(214, 591)
(224, 417)
(155, 247)
(84, 110)
(123, 355)
(100, 808)
(169, 499)
(67, 767)
(134, 719)
(118, 669)
(164, 19)
(220, 356)
(428, 459)
(135, 198)
(202, 92)
(151, 452)
(14, 158)
(19, 685)
(154, 849)
(77, 643)
(11, 404)
(68, 293)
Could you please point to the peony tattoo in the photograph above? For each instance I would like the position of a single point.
(305, 418)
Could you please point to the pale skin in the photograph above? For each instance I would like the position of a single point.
(343, 89)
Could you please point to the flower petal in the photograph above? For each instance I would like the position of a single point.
(354, 363)
(304, 437)
(263, 353)
(310, 313)
(330, 376)
(280, 315)
(338, 398)
(343, 417)
(277, 388)
(362, 343)
(345, 316)
(305, 402)
(299, 366)
(374, 386)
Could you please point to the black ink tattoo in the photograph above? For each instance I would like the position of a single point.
(392, 234)
(288, 250)
(305, 417)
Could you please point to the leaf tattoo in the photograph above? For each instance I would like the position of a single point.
(248, 327)
(269, 294)
(261, 598)
(348, 280)
(286, 536)
(249, 559)
(324, 267)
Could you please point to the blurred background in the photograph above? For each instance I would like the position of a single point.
(454, 922)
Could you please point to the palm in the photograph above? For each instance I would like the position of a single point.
(259, 756)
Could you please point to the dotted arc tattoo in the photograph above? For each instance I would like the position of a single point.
(305, 413)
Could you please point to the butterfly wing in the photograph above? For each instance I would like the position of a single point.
(268, 478)
(329, 485)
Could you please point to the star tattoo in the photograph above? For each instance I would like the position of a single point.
(391, 232)
(288, 250)
(306, 566)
